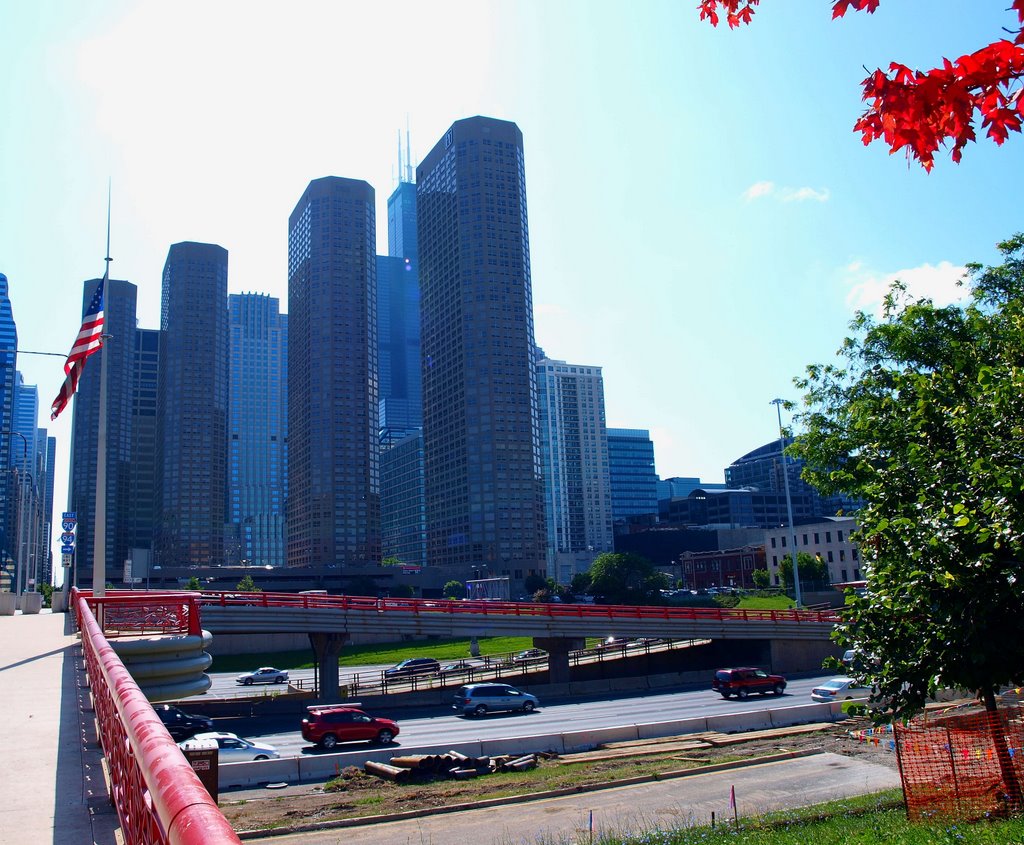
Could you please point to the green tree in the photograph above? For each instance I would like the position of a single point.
(193, 584)
(628, 578)
(580, 583)
(246, 585)
(533, 583)
(392, 561)
(762, 579)
(924, 418)
(812, 569)
(454, 590)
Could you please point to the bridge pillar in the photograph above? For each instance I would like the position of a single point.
(326, 648)
(558, 649)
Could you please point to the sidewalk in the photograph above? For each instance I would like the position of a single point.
(628, 809)
(51, 778)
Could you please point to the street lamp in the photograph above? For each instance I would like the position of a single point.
(789, 502)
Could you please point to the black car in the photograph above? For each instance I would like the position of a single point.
(181, 725)
(413, 666)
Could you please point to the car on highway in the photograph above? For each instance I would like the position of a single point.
(464, 665)
(531, 655)
(745, 680)
(413, 666)
(263, 675)
(181, 725)
(481, 699)
(232, 748)
(841, 688)
(327, 726)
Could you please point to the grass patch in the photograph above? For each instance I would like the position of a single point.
(766, 603)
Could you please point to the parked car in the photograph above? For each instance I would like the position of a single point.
(263, 675)
(838, 689)
(327, 726)
(234, 749)
(742, 682)
(413, 666)
(481, 699)
(181, 725)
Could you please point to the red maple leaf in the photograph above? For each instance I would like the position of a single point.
(921, 111)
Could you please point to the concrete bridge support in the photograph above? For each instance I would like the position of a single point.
(326, 648)
(801, 655)
(558, 649)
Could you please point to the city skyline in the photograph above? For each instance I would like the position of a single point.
(703, 220)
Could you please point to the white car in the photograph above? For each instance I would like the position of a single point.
(233, 749)
(263, 675)
(839, 689)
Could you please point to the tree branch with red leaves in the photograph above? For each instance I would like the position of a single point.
(922, 111)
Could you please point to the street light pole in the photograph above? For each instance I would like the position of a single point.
(789, 501)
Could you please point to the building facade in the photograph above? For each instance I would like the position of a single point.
(120, 305)
(483, 481)
(403, 520)
(721, 568)
(333, 413)
(8, 368)
(577, 481)
(633, 476)
(142, 473)
(257, 430)
(827, 539)
(192, 407)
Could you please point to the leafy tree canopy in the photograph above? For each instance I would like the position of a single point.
(391, 561)
(247, 585)
(193, 584)
(762, 579)
(923, 110)
(811, 568)
(924, 415)
(626, 579)
(454, 590)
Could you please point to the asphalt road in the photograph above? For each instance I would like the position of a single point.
(436, 726)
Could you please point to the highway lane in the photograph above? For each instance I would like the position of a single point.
(438, 726)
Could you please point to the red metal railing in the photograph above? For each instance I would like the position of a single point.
(499, 608)
(158, 798)
(131, 612)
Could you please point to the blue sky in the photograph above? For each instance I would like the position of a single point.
(703, 221)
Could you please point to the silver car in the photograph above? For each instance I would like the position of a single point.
(481, 699)
(263, 675)
(232, 748)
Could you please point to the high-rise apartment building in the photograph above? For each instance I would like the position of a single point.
(484, 489)
(120, 299)
(333, 415)
(257, 429)
(192, 406)
(577, 483)
(634, 478)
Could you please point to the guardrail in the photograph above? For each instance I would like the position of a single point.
(128, 612)
(158, 798)
(501, 608)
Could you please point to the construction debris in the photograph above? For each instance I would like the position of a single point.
(453, 764)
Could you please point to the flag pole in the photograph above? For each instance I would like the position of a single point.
(99, 545)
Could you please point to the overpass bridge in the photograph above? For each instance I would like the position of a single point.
(795, 637)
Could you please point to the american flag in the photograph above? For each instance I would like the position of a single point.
(90, 338)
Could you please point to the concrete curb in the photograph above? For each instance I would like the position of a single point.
(518, 799)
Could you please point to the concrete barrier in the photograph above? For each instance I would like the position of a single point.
(750, 720)
(8, 604)
(654, 730)
(523, 745)
(31, 602)
(585, 740)
(801, 715)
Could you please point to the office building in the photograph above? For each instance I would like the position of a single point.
(47, 451)
(827, 539)
(633, 476)
(402, 507)
(192, 407)
(120, 298)
(8, 367)
(257, 430)
(484, 488)
(574, 450)
(142, 472)
(333, 415)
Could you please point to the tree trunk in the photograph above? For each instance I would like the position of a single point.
(1013, 793)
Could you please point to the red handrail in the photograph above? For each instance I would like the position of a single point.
(159, 799)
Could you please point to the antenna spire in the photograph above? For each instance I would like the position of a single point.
(408, 152)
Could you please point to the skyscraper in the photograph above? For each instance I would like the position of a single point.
(142, 473)
(577, 483)
(634, 478)
(257, 429)
(120, 298)
(192, 406)
(484, 490)
(333, 416)
(8, 367)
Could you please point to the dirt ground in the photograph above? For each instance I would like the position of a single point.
(359, 794)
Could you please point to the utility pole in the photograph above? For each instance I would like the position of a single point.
(789, 502)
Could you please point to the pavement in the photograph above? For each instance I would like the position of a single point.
(55, 789)
(52, 780)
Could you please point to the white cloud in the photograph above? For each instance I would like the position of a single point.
(867, 288)
(767, 188)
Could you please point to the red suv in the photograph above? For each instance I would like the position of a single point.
(742, 682)
(327, 726)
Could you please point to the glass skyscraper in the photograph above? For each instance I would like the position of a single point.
(192, 406)
(142, 514)
(484, 489)
(634, 479)
(333, 415)
(8, 367)
(577, 484)
(257, 429)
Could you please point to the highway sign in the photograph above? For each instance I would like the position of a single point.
(69, 515)
(69, 524)
(67, 550)
(67, 538)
